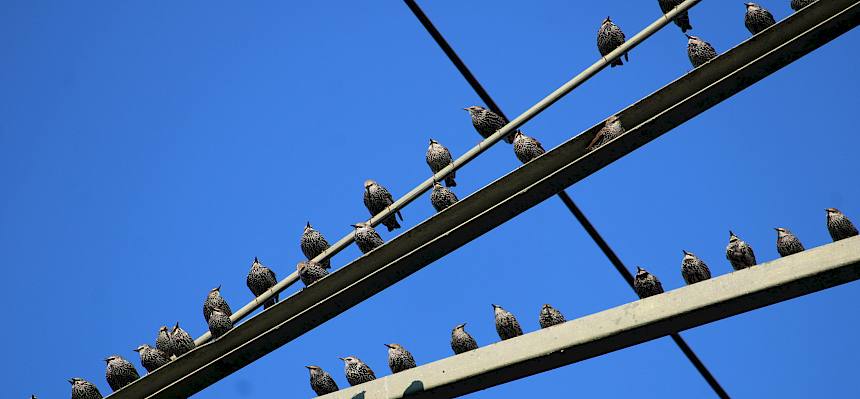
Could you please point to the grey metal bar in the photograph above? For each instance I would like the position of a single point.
(498, 202)
(626, 325)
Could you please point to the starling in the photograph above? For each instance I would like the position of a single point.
(215, 301)
(356, 371)
(609, 37)
(526, 148)
(366, 237)
(377, 199)
(739, 253)
(83, 389)
(699, 51)
(310, 272)
(260, 279)
(608, 132)
(693, 269)
(181, 341)
(796, 5)
(757, 18)
(461, 341)
(164, 342)
(119, 372)
(313, 243)
(839, 226)
(219, 323)
(438, 157)
(646, 284)
(786, 242)
(549, 316)
(487, 122)
(682, 20)
(321, 381)
(506, 324)
(152, 358)
(399, 358)
(442, 197)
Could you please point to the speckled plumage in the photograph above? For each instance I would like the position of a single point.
(739, 253)
(461, 341)
(442, 197)
(610, 130)
(699, 51)
(757, 18)
(260, 278)
(321, 381)
(219, 323)
(313, 243)
(682, 20)
(399, 358)
(366, 237)
(839, 226)
(213, 301)
(152, 358)
(786, 242)
(83, 389)
(609, 37)
(119, 372)
(164, 342)
(796, 5)
(356, 371)
(438, 157)
(310, 272)
(646, 284)
(527, 148)
(694, 269)
(487, 122)
(549, 316)
(181, 341)
(506, 324)
(377, 199)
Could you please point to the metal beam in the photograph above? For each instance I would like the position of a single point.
(498, 202)
(626, 325)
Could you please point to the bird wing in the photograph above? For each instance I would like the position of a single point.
(270, 275)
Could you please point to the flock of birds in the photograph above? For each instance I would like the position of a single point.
(172, 343)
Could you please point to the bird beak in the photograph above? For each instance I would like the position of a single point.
(388, 346)
(136, 349)
(308, 367)
(71, 381)
(342, 358)
(730, 233)
(688, 36)
(354, 225)
(685, 252)
(494, 305)
(776, 228)
(106, 359)
(176, 326)
(466, 109)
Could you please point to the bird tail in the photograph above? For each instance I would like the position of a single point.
(270, 302)
(449, 181)
(510, 138)
(683, 21)
(391, 223)
(616, 62)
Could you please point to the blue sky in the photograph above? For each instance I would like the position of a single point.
(149, 151)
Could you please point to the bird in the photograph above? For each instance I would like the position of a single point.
(786, 242)
(260, 279)
(181, 341)
(526, 148)
(739, 253)
(646, 284)
(366, 237)
(461, 341)
(119, 372)
(487, 122)
(152, 358)
(693, 269)
(442, 197)
(310, 272)
(757, 18)
(313, 243)
(699, 51)
(506, 324)
(377, 199)
(83, 389)
(219, 323)
(839, 226)
(215, 301)
(438, 157)
(399, 358)
(610, 130)
(682, 20)
(796, 5)
(356, 371)
(164, 342)
(321, 381)
(549, 316)
(609, 37)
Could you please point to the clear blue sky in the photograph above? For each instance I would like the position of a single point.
(149, 151)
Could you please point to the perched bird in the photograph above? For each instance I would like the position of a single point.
(119, 372)
(376, 199)
(181, 341)
(321, 381)
(646, 284)
(215, 301)
(260, 279)
(310, 272)
(682, 20)
(609, 37)
(608, 132)
(399, 358)
(83, 389)
(796, 5)
(356, 371)
(739, 253)
(757, 18)
(152, 358)
(694, 269)
(786, 242)
(219, 323)
(461, 341)
(438, 157)
(487, 122)
(549, 316)
(839, 226)
(164, 342)
(366, 237)
(526, 148)
(699, 51)
(313, 243)
(442, 197)
(506, 324)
